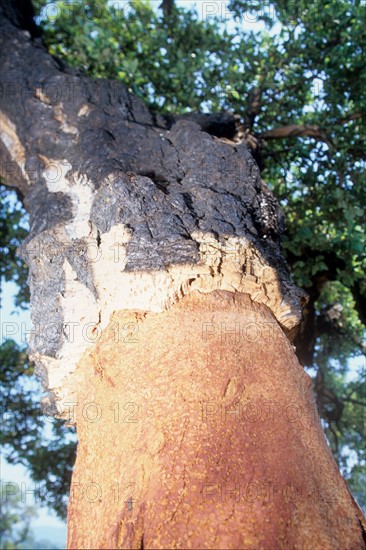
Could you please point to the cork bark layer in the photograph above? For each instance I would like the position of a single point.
(128, 210)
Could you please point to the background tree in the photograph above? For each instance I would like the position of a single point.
(298, 90)
(15, 521)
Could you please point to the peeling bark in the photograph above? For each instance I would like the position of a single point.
(148, 231)
(127, 209)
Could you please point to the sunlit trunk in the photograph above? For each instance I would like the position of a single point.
(163, 316)
(198, 429)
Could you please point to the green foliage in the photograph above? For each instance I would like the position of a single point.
(299, 87)
(30, 438)
(12, 233)
(15, 520)
(133, 44)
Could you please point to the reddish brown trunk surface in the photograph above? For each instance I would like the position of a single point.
(198, 429)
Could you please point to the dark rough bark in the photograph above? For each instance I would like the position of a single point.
(136, 213)
(68, 140)
(21, 14)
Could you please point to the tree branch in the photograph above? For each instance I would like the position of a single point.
(21, 14)
(360, 301)
(352, 116)
(167, 6)
(305, 130)
(355, 401)
(296, 130)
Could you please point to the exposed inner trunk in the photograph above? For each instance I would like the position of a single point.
(198, 429)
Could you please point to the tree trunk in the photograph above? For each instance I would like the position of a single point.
(199, 430)
(163, 313)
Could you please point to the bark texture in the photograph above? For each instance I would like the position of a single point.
(151, 238)
(127, 209)
(199, 430)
